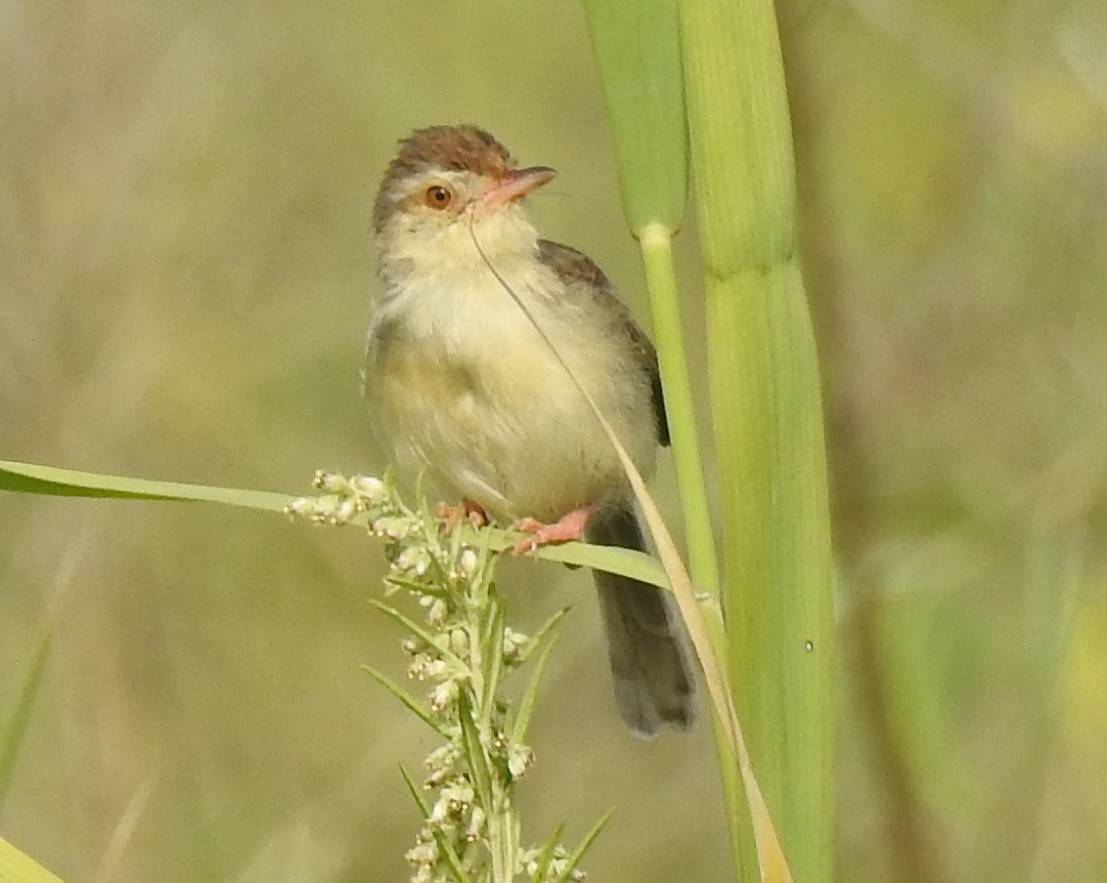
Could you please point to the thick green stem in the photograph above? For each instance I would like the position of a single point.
(767, 422)
(657, 257)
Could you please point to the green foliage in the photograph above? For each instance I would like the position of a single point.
(768, 425)
(184, 206)
(764, 383)
(17, 867)
(14, 727)
(637, 50)
(464, 651)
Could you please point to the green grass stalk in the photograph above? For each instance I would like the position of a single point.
(657, 260)
(638, 54)
(18, 867)
(15, 725)
(637, 50)
(767, 420)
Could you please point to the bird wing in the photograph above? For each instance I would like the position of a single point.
(575, 266)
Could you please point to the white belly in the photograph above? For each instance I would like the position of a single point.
(461, 385)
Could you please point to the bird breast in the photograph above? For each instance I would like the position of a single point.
(461, 384)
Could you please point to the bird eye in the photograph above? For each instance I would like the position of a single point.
(439, 196)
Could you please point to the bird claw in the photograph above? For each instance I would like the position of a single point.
(569, 527)
(474, 512)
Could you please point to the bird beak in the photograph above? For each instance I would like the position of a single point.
(517, 184)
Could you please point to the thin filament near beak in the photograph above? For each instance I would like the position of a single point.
(517, 184)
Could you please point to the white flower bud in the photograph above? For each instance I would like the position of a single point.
(369, 487)
(514, 642)
(476, 824)
(331, 482)
(424, 853)
(444, 695)
(344, 511)
(520, 758)
(468, 561)
(437, 613)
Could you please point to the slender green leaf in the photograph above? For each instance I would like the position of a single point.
(637, 48)
(625, 562)
(416, 794)
(547, 854)
(453, 860)
(417, 588)
(29, 478)
(526, 703)
(582, 848)
(537, 638)
(412, 626)
(493, 668)
(409, 701)
(18, 867)
(479, 761)
(15, 727)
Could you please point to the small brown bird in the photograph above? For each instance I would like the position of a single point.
(462, 385)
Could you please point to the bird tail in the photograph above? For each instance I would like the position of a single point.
(653, 682)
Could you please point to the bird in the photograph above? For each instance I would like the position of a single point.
(471, 342)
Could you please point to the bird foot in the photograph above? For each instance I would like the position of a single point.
(468, 509)
(569, 527)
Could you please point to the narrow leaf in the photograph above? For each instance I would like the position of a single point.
(412, 626)
(18, 867)
(479, 761)
(547, 854)
(409, 701)
(612, 559)
(15, 727)
(637, 49)
(526, 703)
(444, 846)
(416, 793)
(537, 638)
(493, 669)
(578, 853)
(29, 478)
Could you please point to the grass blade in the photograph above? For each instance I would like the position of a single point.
(29, 478)
(409, 701)
(526, 703)
(767, 418)
(537, 638)
(637, 49)
(412, 626)
(18, 867)
(477, 757)
(453, 860)
(494, 652)
(582, 848)
(546, 855)
(15, 727)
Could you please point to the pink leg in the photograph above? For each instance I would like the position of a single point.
(468, 508)
(569, 527)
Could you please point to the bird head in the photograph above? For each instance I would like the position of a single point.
(446, 185)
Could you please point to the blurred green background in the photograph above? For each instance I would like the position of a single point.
(185, 275)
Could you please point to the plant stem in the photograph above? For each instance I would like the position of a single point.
(767, 422)
(657, 258)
